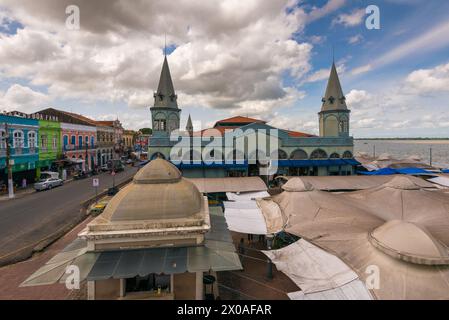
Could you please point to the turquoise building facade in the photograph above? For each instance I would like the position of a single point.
(24, 147)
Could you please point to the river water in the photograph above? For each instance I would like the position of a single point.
(400, 149)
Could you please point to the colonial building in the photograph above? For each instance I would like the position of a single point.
(119, 146)
(129, 139)
(79, 137)
(23, 132)
(297, 153)
(105, 143)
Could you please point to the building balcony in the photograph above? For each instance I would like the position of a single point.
(71, 147)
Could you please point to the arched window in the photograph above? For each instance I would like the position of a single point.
(18, 140)
(279, 155)
(86, 138)
(157, 155)
(65, 140)
(72, 140)
(344, 125)
(347, 155)
(92, 141)
(80, 141)
(334, 156)
(2, 139)
(32, 141)
(318, 154)
(299, 154)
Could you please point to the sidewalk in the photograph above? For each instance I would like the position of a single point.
(13, 275)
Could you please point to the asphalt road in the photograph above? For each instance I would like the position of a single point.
(26, 222)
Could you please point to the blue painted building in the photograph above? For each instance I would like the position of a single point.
(24, 150)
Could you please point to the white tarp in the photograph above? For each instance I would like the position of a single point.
(244, 217)
(245, 196)
(442, 181)
(354, 290)
(311, 268)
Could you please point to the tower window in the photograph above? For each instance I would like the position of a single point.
(331, 99)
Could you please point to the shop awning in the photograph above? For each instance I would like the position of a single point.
(317, 163)
(230, 184)
(54, 270)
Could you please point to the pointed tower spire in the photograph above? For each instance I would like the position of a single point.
(189, 126)
(165, 95)
(334, 98)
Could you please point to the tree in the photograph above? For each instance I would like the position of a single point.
(146, 130)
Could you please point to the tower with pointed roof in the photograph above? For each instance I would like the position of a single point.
(334, 114)
(189, 126)
(165, 113)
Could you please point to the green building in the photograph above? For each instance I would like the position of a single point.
(49, 144)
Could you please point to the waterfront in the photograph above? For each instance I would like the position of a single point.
(404, 148)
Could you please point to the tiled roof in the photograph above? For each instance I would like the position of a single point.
(238, 119)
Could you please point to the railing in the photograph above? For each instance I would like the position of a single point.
(71, 147)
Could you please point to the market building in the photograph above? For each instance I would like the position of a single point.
(297, 153)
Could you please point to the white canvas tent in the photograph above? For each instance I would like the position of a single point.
(399, 227)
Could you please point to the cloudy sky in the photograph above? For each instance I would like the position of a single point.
(266, 59)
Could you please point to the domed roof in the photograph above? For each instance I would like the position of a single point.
(402, 183)
(158, 171)
(158, 192)
(409, 242)
(297, 185)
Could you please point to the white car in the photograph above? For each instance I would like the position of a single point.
(47, 184)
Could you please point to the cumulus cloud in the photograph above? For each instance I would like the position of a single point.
(227, 53)
(23, 98)
(352, 19)
(355, 39)
(428, 81)
(320, 12)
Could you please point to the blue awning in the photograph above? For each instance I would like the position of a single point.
(390, 171)
(380, 172)
(315, 163)
(352, 162)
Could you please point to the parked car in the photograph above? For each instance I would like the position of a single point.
(104, 168)
(129, 161)
(47, 184)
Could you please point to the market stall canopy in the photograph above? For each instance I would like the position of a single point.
(343, 224)
(336, 183)
(315, 270)
(230, 184)
(354, 290)
(245, 217)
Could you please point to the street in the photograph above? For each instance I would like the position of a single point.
(27, 221)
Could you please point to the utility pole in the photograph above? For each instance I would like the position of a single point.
(9, 164)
